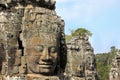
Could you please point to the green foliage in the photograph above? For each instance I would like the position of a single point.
(81, 31)
(102, 67)
(103, 61)
(77, 32)
(68, 37)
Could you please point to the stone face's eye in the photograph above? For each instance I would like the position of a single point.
(52, 49)
(39, 48)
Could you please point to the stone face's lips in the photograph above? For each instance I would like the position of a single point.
(45, 65)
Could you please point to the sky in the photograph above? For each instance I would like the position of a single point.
(101, 17)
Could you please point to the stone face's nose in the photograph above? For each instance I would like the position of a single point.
(45, 57)
(45, 53)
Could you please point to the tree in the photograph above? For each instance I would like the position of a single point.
(68, 37)
(77, 32)
(81, 31)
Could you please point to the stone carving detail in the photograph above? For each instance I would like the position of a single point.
(50, 4)
(42, 32)
(32, 40)
(81, 60)
(10, 30)
(115, 69)
(33, 47)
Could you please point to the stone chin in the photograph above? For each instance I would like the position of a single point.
(42, 69)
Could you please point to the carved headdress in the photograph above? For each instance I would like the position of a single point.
(50, 4)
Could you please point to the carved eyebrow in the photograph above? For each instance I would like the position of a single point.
(39, 47)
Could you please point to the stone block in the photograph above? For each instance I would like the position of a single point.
(4, 68)
(39, 77)
(23, 60)
(19, 53)
(17, 61)
(23, 69)
(15, 70)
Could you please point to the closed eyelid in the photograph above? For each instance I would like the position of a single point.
(40, 48)
(52, 49)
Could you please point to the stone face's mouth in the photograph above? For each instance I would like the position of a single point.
(45, 66)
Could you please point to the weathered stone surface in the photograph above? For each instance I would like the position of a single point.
(115, 69)
(50, 4)
(14, 78)
(32, 39)
(32, 43)
(81, 59)
(42, 33)
(10, 27)
(38, 77)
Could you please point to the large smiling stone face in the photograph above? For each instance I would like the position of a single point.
(42, 54)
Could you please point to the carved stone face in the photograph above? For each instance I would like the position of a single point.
(42, 54)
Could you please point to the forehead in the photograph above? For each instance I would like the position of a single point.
(43, 39)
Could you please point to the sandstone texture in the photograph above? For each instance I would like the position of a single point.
(81, 59)
(33, 46)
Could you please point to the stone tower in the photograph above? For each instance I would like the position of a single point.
(115, 69)
(81, 59)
